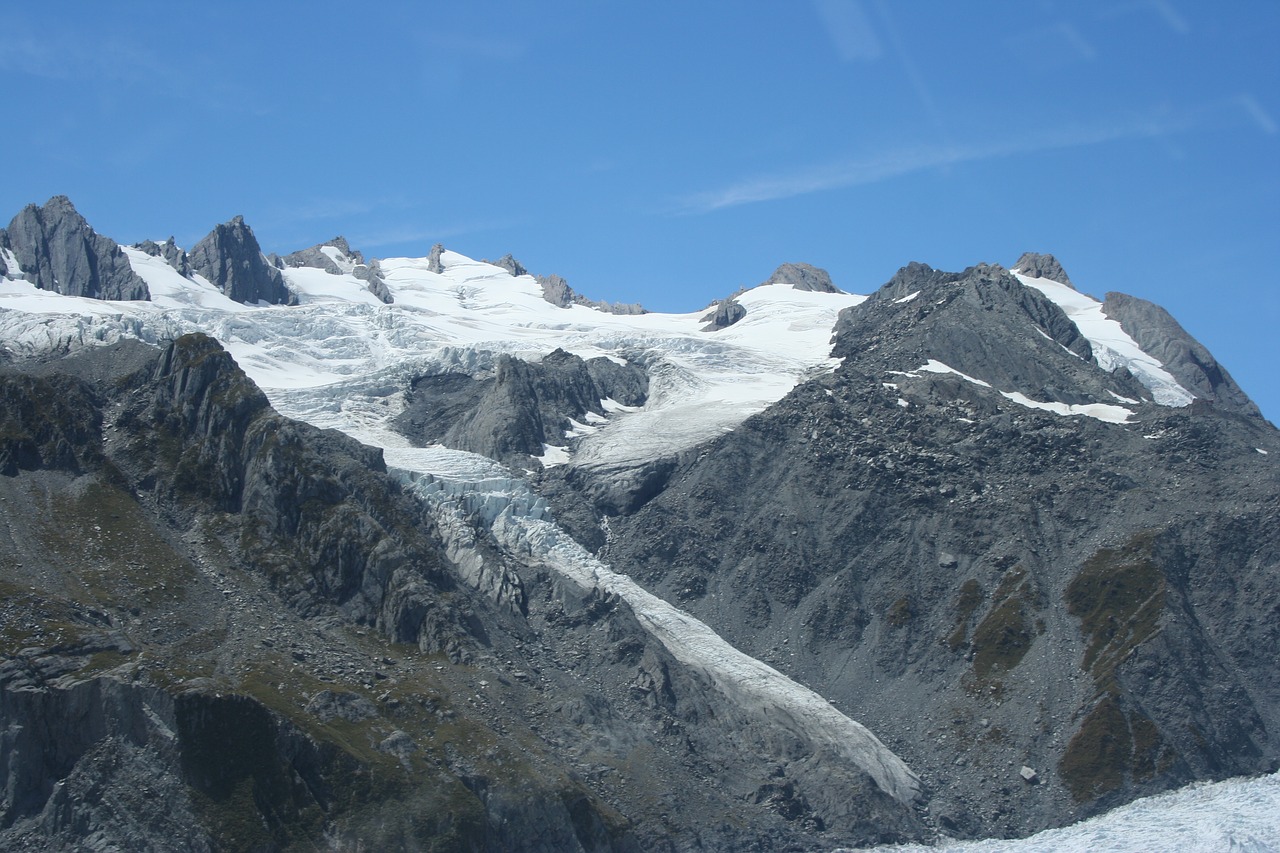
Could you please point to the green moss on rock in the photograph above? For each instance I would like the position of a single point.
(1118, 595)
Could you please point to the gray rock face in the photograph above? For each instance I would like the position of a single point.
(58, 251)
(1160, 336)
(510, 264)
(726, 313)
(523, 407)
(1037, 265)
(1084, 598)
(558, 292)
(371, 274)
(169, 250)
(433, 259)
(232, 260)
(803, 277)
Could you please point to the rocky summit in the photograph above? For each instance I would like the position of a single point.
(309, 551)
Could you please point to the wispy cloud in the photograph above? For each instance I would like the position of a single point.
(850, 29)
(1257, 114)
(67, 57)
(910, 160)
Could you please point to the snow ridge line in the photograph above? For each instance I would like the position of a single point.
(519, 523)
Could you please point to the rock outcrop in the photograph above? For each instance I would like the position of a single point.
(558, 292)
(522, 407)
(57, 250)
(803, 277)
(726, 313)
(173, 255)
(231, 259)
(340, 260)
(1190, 362)
(1036, 265)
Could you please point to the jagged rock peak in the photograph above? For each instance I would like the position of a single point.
(433, 258)
(232, 260)
(173, 255)
(1036, 265)
(317, 258)
(510, 264)
(803, 277)
(726, 313)
(57, 250)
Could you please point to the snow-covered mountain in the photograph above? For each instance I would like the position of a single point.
(678, 520)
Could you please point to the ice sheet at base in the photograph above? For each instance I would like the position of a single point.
(1235, 816)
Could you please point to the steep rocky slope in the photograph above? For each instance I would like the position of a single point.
(227, 630)
(989, 585)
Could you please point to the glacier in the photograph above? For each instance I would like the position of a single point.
(342, 359)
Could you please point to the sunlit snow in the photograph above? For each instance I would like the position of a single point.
(1235, 816)
(1100, 411)
(1112, 346)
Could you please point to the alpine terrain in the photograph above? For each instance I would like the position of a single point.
(320, 551)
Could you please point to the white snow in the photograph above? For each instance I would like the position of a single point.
(1099, 411)
(905, 299)
(1112, 346)
(1263, 452)
(935, 366)
(1234, 816)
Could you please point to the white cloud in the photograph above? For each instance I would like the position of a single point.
(905, 161)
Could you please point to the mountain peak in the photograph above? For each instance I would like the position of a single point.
(803, 277)
(230, 257)
(59, 251)
(1036, 265)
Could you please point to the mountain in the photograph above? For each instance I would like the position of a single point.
(408, 553)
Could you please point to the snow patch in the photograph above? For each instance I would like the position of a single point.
(1098, 411)
(553, 455)
(1263, 452)
(1112, 346)
(905, 299)
(935, 366)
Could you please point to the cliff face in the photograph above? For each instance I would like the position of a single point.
(231, 259)
(198, 593)
(227, 630)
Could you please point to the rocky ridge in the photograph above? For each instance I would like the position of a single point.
(229, 601)
(57, 250)
(1040, 590)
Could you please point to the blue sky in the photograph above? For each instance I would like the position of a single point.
(669, 153)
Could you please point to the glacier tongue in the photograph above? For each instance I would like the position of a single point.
(457, 485)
